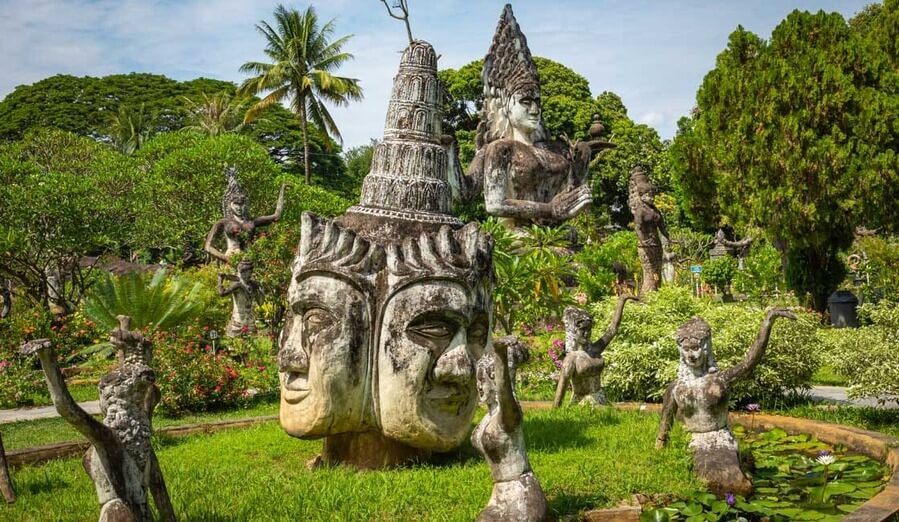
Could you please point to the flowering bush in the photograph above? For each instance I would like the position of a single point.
(194, 377)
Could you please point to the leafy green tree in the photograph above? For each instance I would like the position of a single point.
(358, 163)
(83, 105)
(215, 114)
(66, 197)
(301, 70)
(798, 136)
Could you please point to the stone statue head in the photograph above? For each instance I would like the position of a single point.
(324, 357)
(640, 189)
(578, 327)
(234, 202)
(385, 338)
(518, 354)
(245, 270)
(694, 342)
(435, 320)
(512, 107)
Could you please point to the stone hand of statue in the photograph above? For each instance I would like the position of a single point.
(570, 203)
(781, 312)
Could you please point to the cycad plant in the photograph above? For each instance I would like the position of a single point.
(154, 302)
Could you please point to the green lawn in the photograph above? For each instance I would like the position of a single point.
(19, 435)
(827, 376)
(584, 459)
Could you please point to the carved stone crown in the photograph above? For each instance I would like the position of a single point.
(508, 64)
(234, 191)
(408, 178)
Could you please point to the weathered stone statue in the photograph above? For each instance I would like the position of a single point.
(237, 227)
(700, 395)
(500, 438)
(9, 494)
(121, 460)
(648, 223)
(389, 305)
(583, 364)
(725, 247)
(245, 292)
(526, 178)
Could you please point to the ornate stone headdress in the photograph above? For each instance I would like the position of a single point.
(508, 69)
(407, 190)
(234, 191)
(696, 328)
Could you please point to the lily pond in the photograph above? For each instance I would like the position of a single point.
(796, 477)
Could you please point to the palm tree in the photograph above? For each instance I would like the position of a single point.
(302, 61)
(215, 115)
(130, 128)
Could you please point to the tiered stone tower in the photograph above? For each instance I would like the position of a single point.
(407, 192)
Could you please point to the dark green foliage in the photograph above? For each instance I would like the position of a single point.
(84, 105)
(719, 272)
(761, 274)
(595, 274)
(153, 301)
(798, 135)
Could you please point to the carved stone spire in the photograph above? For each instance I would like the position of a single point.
(407, 188)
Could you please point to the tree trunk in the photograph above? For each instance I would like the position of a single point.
(307, 170)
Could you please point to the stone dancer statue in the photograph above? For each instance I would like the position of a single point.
(526, 178)
(9, 494)
(648, 223)
(237, 226)
(700, 394)
(725, 247)
(121, 460)
(583, 364)
(245, 292)
(499, 437)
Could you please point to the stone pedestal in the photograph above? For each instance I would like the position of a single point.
(369, 450)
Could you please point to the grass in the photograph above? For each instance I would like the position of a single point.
(865, 417)
(584, 459)
(27, 434)
(827, 376)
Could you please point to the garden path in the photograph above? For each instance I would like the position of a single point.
(42, 412)
(837, 394)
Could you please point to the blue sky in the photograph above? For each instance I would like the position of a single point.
(653, 54)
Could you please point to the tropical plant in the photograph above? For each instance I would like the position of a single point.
(303, 59)
(216, 114)
(153, 301)
(130, 128)
(719, 272)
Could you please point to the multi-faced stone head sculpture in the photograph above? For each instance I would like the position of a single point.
(390, 304)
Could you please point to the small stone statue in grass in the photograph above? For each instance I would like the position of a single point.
(9, 494)
(500, 438)
(237, 226)
(245, 292)
(121, 460)
(583, 364)
(700, 395)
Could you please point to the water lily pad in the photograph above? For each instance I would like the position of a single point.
(849, 508)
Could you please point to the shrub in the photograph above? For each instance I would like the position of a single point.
(595, 274)
(643, 358)
(867, 356)
(719, 272)
(761, 274)
(193, 377)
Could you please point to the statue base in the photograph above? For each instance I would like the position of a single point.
(369, 450)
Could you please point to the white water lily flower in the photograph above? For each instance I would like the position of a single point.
(826, 460)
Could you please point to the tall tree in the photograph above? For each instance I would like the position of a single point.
(303, 59)
(798, 135)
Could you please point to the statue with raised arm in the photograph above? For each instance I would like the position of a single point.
(245, 292)
(700, 394)
(499, 437)
(9, 494)
(121, 460)
(583, 365)
(648, 224)
(237, 227)
(725, 247)
(526, 178)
